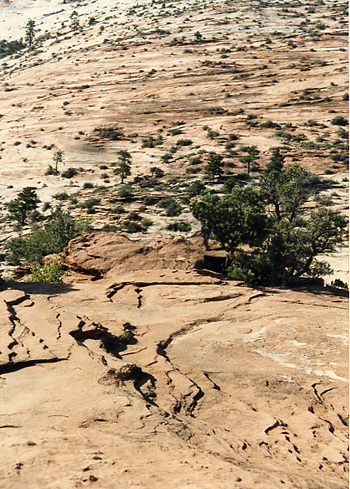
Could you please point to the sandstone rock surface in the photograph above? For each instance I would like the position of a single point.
(97, 253)
(176, 379)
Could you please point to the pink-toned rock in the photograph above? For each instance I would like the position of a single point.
(167, 378)
(98, 253)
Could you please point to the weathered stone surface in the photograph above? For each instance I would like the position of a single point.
(101, 252)
(173, 379)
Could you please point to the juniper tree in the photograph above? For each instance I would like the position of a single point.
(273, 233)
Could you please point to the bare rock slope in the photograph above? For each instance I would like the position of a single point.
(172, 378)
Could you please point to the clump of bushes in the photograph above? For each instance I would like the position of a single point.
(151, 142)
(113, 133)
(48, 273)
(184, 142)
(69, 173)
(339, 121)
(172, 208)
(182, 226)
(50, 238)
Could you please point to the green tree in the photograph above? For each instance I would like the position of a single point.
(23, 205)
(124, 164)
(239, 218)
(30, 32)
(58, 158)
(270, 234)
(251, 158)
(214, 166)
(276, 162)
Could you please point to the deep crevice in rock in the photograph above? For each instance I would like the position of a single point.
(15, 366)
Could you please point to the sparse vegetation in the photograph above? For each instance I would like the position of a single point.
(50, 238)
(272, 220)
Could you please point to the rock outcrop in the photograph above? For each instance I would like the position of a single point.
(172, 379)
(97, 253)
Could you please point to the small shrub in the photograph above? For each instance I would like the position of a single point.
(166, 158)
(125, 192)
(69, 173)
(61, 196)
(90, 203)
(339, 284)
(148, 200)
(339, 121)
(213, 134)
(174, 209)
(48, 273)
(119, 210)
(50, 171)
(195, 188)
(113, 133)
(181, 226)
(184, 142)
(134, 216)
(111, 228)
(146, 223)
(195, 161)
(132, 227)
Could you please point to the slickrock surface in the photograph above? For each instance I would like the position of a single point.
(175, 379)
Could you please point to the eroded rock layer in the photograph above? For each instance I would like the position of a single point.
(172, 379)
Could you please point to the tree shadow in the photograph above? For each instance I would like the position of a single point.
(40, 288)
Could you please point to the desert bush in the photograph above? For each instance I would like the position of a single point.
(195, 161)
(195, 188)
(88, 185)
(113, 133)
(184, 142)
(61, 196)
(339, 284)
(69, 173)
(119, 210)
(339, 121)
(48, 273)
(173, 209)
(148, 200)
(193, 170)
(50, 238)
(166, 158)
(152, 142)
(125, 192)
(134, 216)
(213, 134)
(132, 227)
(181, 226)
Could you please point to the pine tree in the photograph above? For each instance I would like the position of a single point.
(214, 166)
(58, 158)
(30, 32)
(124, 164)
(23, 205)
